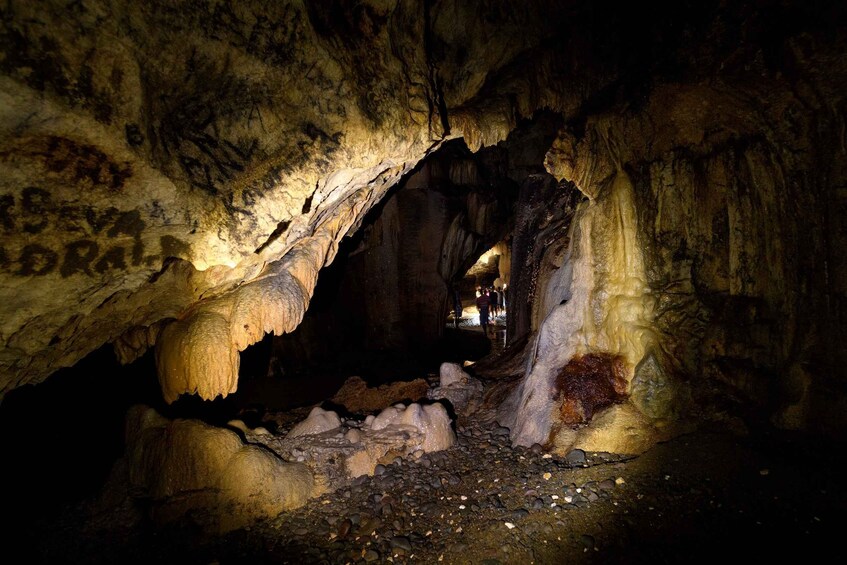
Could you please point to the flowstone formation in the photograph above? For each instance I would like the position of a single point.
(186, 466)
(226, 478)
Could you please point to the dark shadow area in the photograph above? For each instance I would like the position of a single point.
(65, 434)
(458, 345)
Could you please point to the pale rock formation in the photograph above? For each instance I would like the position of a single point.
(318, 422)
(459, 388)
(609, 309)
(430, 421)
(450, 374)
(433, 422)
(188, 466)
(620, 428)
(185, 465)
(340, 454)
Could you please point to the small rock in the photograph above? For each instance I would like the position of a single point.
(587, 541)
(575, 457)
(401, 542)
(519, 514)
(344, 528)
(501, 431)
(371, 555)
(608, 484)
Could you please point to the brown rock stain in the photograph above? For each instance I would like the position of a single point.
(587, 384)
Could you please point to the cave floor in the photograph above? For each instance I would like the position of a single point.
(709, 495)
(470, 322)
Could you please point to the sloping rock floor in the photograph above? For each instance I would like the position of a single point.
(703, 497)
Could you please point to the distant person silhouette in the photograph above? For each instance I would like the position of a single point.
(483, 303)
(495, 303)
(457, 307)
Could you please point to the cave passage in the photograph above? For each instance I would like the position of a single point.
(382, 310)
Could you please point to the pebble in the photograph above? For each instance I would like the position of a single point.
(344, 528)
(401, 542)
(575, 457)
(519, 514)
(607, 484)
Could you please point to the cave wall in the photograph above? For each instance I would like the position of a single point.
(734, 205)
(704, 254)
(540, 241)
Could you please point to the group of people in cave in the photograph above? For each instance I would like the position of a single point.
(489, 302)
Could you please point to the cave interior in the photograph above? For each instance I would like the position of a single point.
(233, 234)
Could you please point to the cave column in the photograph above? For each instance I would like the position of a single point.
(609, 310)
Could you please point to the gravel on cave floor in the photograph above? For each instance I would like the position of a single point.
(706, 496)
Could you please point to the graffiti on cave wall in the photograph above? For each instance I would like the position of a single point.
(67, 238)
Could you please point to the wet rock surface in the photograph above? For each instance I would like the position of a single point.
(708, 495)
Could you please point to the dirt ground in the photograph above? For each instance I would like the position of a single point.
(710, 495)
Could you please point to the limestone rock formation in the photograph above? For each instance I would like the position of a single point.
(354, 447)
(459, 388)
(186, 465)
(318, 422)
(224, 482)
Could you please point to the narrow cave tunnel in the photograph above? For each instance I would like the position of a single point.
(240, 276)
